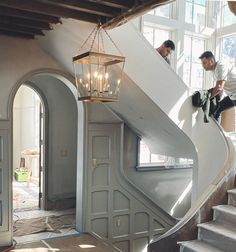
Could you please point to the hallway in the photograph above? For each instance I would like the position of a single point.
(25, 197)
(31, 223)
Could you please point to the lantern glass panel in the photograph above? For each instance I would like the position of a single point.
(98, 76)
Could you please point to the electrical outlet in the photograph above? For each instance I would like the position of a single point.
(118, 223)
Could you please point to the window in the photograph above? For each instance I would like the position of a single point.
(228, 17)
(146, 158)
(162, 11)
(160, 36)
(195, 12)
(223, 15)
(193, 72)
(229, 49)
(192, 41)
(148, 33)
(154, 35)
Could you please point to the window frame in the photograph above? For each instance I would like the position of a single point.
(177, 27)
(222, 44)
(190, 86)
(192, 2)
(158, 165)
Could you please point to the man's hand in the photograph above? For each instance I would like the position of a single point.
(217, 90)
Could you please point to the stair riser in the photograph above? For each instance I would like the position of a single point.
(217, 240)
(223, 217)
(232, 199)
(185, 249)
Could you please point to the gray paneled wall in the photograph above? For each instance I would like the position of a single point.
(117, 211)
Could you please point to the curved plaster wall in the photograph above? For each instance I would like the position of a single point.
(62, 136)
(161, 85)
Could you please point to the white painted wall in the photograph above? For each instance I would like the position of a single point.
(19, 57)
(62, 136)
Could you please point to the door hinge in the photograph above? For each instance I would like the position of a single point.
(40, 195)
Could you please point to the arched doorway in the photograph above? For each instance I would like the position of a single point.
(65, 140)
(28, 149)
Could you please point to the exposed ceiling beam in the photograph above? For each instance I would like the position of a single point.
(49, 9)
(16, 34)
(25, 22)
(20, 29)
(11, 12)
(136, 11)
(232, 7)
(123, 4)
(32, 16)
(89, 7)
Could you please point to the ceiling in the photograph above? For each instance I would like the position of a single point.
(29, 18)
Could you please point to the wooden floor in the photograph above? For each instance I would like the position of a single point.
(80, 243)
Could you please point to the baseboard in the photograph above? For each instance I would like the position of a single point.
(61, 204)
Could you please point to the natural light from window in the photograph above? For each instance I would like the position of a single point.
(195, 12)
(162, 11)
(154, 35)
(214, 17)
(229, 49)
(146, 158)
(227, 17)
(193, 71)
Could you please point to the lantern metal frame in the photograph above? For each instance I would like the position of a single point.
(99, 85)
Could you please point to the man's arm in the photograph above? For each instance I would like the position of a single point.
(218, 87)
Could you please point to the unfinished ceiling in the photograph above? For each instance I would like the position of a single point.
(28, 18)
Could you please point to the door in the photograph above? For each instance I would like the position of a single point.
(5, 172)
(103, 159)
(41, 156)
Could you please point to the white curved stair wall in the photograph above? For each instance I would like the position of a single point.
(160, 84)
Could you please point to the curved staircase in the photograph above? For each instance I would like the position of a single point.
(218, 235)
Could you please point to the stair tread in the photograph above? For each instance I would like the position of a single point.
(233, 191)
(200, 245)
(226, 208)
(222, 229)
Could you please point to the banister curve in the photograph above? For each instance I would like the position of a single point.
(215, 193)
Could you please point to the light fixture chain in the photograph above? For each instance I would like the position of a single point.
(95, 35)
(102, 42)
(88, 38)
(113, 42)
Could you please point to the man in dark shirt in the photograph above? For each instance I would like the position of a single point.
(165, 49)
